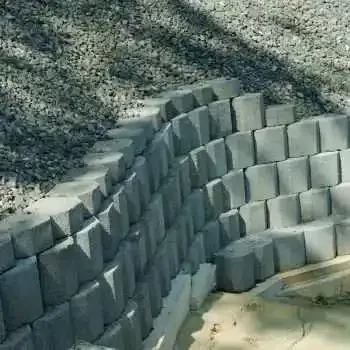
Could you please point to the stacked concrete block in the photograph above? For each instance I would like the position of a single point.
(211, 238)
(200, 127)
(186, 213)
(154, 218)
(121, 206)
(132, 191)
(161, 260)
(137, 135)
(284, 211)
(240, 150)
(202, 93)
(87, 314)
(280, 115)
(198, 167)
(173, 251)
(196, 254)
(180, 236)
(54, 329)
(184, 165)
(216, 160)
(342, 232)
(137, 238)
(253, 217)
(182, 127)
(112, 337)
(164, 106)
(303, 138)
(233, 189)
(324, 169)
(229, 226)
(214, 199)
(22, 338)
(315, 204)
(271, 144)
(126, 261)
(344, 165)
(167, 135)
(7, 257)
(152, 278)
(31, 233)
(224, 88)
(140, 168)
(196, 201)
(130, 323)
(2, 325)
(145, 121)
(250, 112)
(182, 100)
(293, 175)
(340, 199)
(220, 118)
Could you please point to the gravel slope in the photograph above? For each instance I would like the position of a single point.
(70, 68)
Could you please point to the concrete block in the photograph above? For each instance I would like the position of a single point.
(186, 212)
(235, 268)
(319, 241)
(233, 189)
(240, 150)
(334, 132)
(229, 226)
(261, 182)
(342, 234)
(182, 128)
(214, 199)
(224, 88)
(82, 345)
(144, 119)
(182, 100)
(211, 238)
(253, 217)
(113, 297)
(220, 118)
(58, 272)
(293, 175)
(196, 200)
(202, 93)
(31, 233)
(114, 161)
(20, 294)
(125, 259)
(303, 138)
(161, 260)
(184, 166)
(164, 105)
(180, 236)
(140, 168)
(200, 127)
(203, 282)
(216, 160)
(87, 313)
(173, 251)
(112, 337)
(132, 191)
(152, 114)
(250, 112)
(153, 280)
(120, 202)
(66, 214)
(151, 237)
(154, 218)
(89, 253)
(315, 204)
(271, 144)
(168, 138)
(22, 338)
(196, 254)
(7, 258)
(155, 161)
(124, 146)
(2, 324)
(198, 167)
(54, 329)
(137, 238)
(283, 114)
(344, 165)
(340, 199)
(284, 211)
(137, 135)
(142, 298)
(324, 169)
(131, 325)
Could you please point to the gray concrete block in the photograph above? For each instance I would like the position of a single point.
(220, 118)
(113, 297)
(164, 105)
(31, 233)
(240, 150)
(58, 272)
(22, 338)
(140, 168)
(182, 128)
(151, 237)
(196, 201)
(202, 93)
(319, 241)
(132, 191)
(180, 236)
(66, 214)
(253, 217)
(182, 100)
(261, 182)
(211, 238)
(152, 114)
(235, 268)
(324, 169)
(89, 253)
(340, 199)
(144, 119)
(271, 144)
(112, 337)
(224, 88)
(168, 138)
(315, 204)
(7, 258)
(200, 127)
(230, 229)
(250, 112)
(142, 298)
(173, 251)
(54, 329)
(153, 280)
(216, 159)
(184, 165)
(196, 253)
(124, 146)
(121, 206)
(345, 165)
(198, 167)
(334, 132)
(130, 323)
(20, 294)
(186, 212)
(213, 199)
(161, 260)
(283, 114)
(342, 234)
(137, 135)
(125, 258)
(83, 345)
(87, 314)
(153, 155)
(114, 161)
(233, 189)
(284, 211)
(2, 324)
(293, 175)
(303, 138)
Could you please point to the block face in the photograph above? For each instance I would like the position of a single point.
(280, 114)
(216, 160)
(196, 201)
(224, 88)
(173, 253)
(132, 192)
(315, 204)
(233, 189)
(152, 278)
(211, 238)
(250, 112)
(165, 107)
(324, 169)
(7, 258)
(253, 217)
(202, 93)
(229, 226)
(182, 100)
(20, 294)
(182, 127)
(131, 326)
(220, 118)
(125, 258)
(137, 238)
(198, 167)
(140, 168)
(284, 211)
(18, 340)
(156, 156)
(162, 262)
(121, 206)
(137, 135)
(303, 138)
(271, 144)
(261, 182)
(168, 138)
(154, 217)
(214, 200)
(196, 254)
(240, 150)
(334, 132)
(342, 232)
(339, 199)
(184, 166)
(293, 175)
(112, 337)
(200, 131)
(344, 165)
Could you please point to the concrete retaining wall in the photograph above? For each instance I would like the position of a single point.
(96, 259)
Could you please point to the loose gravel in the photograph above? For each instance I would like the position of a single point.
(70, 68)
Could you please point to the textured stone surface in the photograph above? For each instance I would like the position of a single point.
(182, 128)
(342, 232)
(200, 132)
(216, 160)
(230, 229)
(202, 93)
(224, 88)
(121, 206)
(324, 169)
(315, 204)
(233, 189)
(214, 199)
(182, 100)
(198, 167)
(220, 117)
(253, 217)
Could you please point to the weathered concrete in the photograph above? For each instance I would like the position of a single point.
(220, 118)
(233, 189)
(200, 129)
(253, 217)
(324, 169)
(230, 229)
(280, 114)
(315, 204)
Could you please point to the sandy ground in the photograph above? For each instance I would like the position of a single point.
(238, 322)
